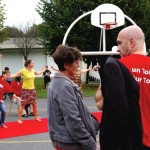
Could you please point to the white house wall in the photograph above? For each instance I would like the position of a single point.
(50, 62)
(15, 61)
(39, 58)
(11, 59)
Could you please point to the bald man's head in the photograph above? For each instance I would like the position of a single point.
(133, 31)
(131, 40)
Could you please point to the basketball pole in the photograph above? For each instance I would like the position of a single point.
(71, 26)
(104, 52)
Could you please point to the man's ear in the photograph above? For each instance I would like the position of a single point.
(132, 42)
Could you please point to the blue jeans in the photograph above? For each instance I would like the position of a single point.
(3, 113)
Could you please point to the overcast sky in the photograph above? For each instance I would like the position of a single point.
(19, 12)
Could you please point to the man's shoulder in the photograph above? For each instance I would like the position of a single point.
(135, 59)
(134, 56)
(112, 61)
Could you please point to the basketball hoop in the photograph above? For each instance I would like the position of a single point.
(109, 25)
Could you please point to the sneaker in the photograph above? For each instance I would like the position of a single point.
(31, 114)
(3, 126)
(25, 115)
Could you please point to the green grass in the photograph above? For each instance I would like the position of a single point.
(88, 90)
(39, 86)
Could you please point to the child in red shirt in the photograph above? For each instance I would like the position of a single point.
(16, 85)
(5, 87)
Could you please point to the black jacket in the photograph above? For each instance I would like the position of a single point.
(121, 127)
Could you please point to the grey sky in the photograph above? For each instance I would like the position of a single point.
(21, 11)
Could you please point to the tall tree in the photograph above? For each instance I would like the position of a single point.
(24, 38)
(14, 32)
(3, 31)
(57, 17)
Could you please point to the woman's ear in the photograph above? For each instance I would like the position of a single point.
(66, 66)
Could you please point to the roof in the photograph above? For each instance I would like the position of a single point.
(9, 44)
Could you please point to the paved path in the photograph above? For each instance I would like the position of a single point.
(35, 141)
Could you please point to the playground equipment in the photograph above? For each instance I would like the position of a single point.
(106, 17)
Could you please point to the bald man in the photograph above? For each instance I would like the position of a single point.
(131, 41)
(131, 48)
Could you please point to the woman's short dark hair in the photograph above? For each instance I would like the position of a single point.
(66, 55)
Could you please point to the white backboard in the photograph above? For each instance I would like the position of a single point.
(107, 13)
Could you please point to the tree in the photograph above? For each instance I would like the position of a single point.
(3, 31)
(24, 38)
(14, 32)
(57, 17)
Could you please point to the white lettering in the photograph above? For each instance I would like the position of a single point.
(146, 72)
(138, 79)
(146, 80)
(136, 70)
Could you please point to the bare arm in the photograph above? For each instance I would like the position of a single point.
(85, 70)
(40, 72)
(96, 67)
(99, 98)
(55, 69)
(15, 75)
(17, 98)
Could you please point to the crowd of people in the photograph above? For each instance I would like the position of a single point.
(123, 97)
(22, 85)
(22, 93)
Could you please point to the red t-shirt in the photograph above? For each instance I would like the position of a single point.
(16, 86)
(139, 66)
(4, 87)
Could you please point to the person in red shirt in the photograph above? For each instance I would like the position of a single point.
(131, 46)
(5, 87)
(16, 85)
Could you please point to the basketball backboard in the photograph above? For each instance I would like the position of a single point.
(107, 16)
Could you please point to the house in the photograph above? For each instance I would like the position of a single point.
(10, 57)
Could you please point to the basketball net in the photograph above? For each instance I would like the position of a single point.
(109, 25)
